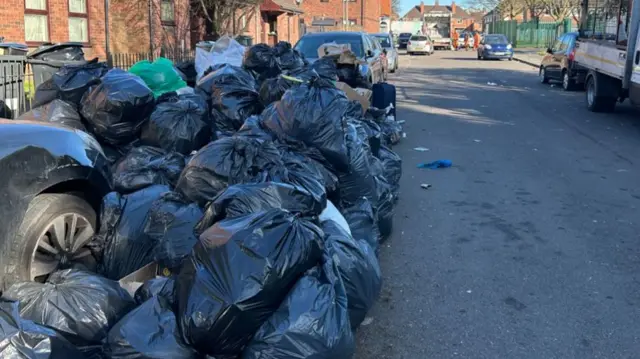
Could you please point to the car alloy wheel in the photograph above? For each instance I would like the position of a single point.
(543, 76)
(566, 81)
(61, 244)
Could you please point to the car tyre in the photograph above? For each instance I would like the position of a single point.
(597, 103)
(542, 74)
(479, 56)
(29, 255)
(568, 84)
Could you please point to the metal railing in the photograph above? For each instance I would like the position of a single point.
(17, 85)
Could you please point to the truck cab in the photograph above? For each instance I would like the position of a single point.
(608, 47)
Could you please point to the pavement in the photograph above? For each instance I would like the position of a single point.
(530, 57)
(528, 246)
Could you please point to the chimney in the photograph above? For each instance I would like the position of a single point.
(453, 7)
(421, 9)
(437, 2)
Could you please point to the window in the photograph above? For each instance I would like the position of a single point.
(167, 12)
(324, 0)
(36, 21)
(353, 22)
(243, 22)
(78, 21)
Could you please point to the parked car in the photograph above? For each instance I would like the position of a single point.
(420, 44)
(495, 46)
(386, 41)
(558, 64)
(53, 179)
(383, 56)
(361, 44)
(403, 39)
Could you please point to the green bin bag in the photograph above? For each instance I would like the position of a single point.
(159, 75)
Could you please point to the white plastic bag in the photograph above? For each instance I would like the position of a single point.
(224, 51)
(332, 213)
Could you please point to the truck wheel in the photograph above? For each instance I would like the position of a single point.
(597, 103)
(53, 235)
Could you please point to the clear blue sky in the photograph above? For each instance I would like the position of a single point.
(405, 5)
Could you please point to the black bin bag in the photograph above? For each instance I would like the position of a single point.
(392, 165)
(226, 161)
(314, 115)
(177, 126)
(77, 303)
(358, 267)
(159, 286)
(145, 166)
(384, 200)
(121, 245)
(116, 108)
(311, 323)
(261, 60)
(23, 339)
(232, 96)
(242, 199)
(171, 221)
(273, 89)
(359, 181)
(296, 171)
(253, 129)
(324, 67)
(351, 75)
(148, 332)
(240, 271)
(363, 222)
(70, 83)
(287, 57)
(56, 111)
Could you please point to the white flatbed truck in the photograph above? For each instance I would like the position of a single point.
(611, 57)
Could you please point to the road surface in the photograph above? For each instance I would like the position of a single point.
(529, 246)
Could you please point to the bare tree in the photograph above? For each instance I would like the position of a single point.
(535, 7)
(563, 9)
(395, 7)
(223, 16)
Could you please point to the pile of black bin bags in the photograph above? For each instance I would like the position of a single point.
(263, 206)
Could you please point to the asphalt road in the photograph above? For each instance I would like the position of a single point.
(528, 247)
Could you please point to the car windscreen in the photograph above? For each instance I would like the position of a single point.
(418, 38)
(496, 39)
(308, 45)
(384, 41)
(405, 34)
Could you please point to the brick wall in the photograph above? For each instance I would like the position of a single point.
(129, 27)
(288, 28)
(12, 24)
(370, 22)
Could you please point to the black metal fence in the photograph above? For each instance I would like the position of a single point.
(17, 85)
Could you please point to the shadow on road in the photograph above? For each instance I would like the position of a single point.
(481, 96)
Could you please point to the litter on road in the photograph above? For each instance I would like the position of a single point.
(421, 149)
(436, 164)
(263, 169)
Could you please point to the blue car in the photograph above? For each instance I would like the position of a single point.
(495, 47)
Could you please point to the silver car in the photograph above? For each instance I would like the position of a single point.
(387, 43)
(420, 44)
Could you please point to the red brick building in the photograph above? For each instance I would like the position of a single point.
(269, 22)
(35, 22)
(361, 15)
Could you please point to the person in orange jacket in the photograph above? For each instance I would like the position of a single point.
(476, 40)
(455, 38)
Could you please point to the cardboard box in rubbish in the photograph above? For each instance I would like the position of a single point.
(361, 95)
(342, 52)
(134, 280)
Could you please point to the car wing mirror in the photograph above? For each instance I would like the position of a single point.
(384, 51)
(369, 53)
(549, 51)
